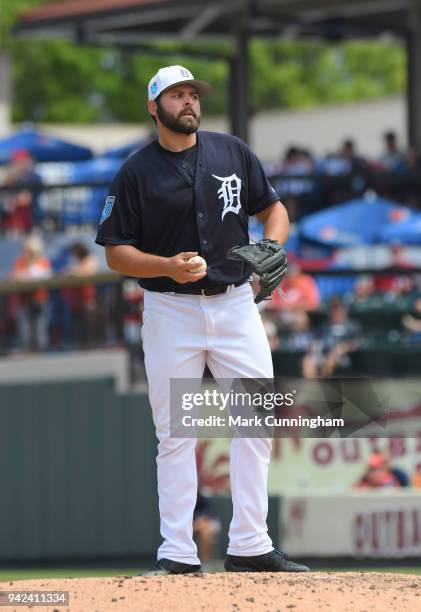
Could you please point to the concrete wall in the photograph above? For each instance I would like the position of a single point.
(76, 365)
(78, 475)
(272, 132)
(5, 93)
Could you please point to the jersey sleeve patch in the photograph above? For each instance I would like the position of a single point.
(108, 206)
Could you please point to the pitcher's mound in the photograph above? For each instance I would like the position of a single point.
(344, 592)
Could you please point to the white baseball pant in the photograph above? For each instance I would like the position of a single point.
(180, 334)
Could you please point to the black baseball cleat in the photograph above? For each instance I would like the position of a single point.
(273, 561)
(167, 566)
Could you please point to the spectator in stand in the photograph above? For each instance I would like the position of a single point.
(344, 164)
(84, 262)
(206, 527)
(393, 285)
(288, 312)
(378, 474)
(297, 186)
(133, 312)
(299, 335)
(82, 299)
(412, 322)
(31, 307)
(410, 186)
(297, 161)
(416, 478)
(300, 292)
(353, 161)
(18, 205)
(393, 158)
(398, 258)
(288, 309)
(133, 299)
(412, 160)
(338, 337)
(363, 290)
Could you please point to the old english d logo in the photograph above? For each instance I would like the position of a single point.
(230, 192)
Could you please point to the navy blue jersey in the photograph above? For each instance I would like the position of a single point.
(157, 205)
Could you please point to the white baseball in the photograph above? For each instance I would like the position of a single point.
(197, 259)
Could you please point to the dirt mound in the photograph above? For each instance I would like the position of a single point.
(347, 592)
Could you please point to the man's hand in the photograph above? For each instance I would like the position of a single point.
(178, 266)
(128, 260)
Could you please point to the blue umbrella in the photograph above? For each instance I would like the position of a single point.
(127, 149)
(88, 208)
(360, 221)
(96, 170)
(256, 233)
(42, 147)
(77, 205)
(405, 231)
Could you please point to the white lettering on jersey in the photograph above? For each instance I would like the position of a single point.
(230, 192)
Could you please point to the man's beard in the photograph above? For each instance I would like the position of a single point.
(177, 124)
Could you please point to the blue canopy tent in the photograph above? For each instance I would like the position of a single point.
(42, 147)
(360, 221)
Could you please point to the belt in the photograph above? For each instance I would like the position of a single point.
(209, 291)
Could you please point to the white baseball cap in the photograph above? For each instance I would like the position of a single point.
(167, 77)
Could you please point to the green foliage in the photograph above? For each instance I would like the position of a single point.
(9, 11)
(57, 81)
(309, 74)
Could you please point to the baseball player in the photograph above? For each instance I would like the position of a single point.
(191, 193)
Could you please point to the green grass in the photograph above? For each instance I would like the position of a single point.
(7, 575)
(44, 572)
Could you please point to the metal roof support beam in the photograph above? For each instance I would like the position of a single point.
(131, 44)
(200, 22)
(239, 85)
(352, 9)
(414, 76)
(137, 18)
(322, 9)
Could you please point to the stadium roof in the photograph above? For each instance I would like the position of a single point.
(189, 18)
(140, 22)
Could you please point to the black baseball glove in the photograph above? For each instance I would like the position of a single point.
(268, 259)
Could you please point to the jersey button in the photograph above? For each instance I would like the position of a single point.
(201, 215)
(205, 241)
(183, 165)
